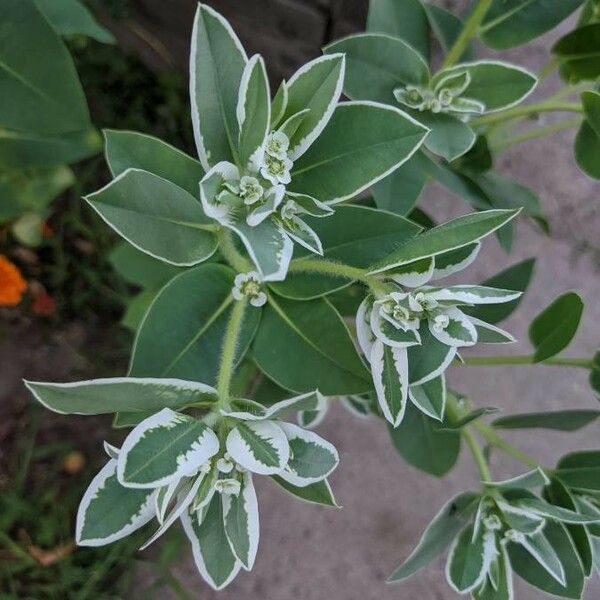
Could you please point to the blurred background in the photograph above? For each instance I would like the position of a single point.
(75, 298)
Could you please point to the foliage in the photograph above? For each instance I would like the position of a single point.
(264, 249)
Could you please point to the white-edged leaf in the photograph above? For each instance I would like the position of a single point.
(389, 368)
(253, 112)
(356, 405)
(217, 61)
(259, 446)
(316, 493)
(110, 450)
(364, 334)
(413, 274)
(240, 518)
(254, 411)
(557, 513)
(430, 359)
(490, 334)
(108, 511)
(163, 448)
(164, 497)
(454, 261)
(304, 235)
(311, 419)
(391, 335)
(211, 549)
(458, 333)
(521, 519)
(531, 479)
(114, 394)
(316, 86)
(312, 458)
(430, 397)
(279, 104)
(540, 548)
(474, 294)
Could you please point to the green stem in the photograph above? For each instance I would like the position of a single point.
(230, 341)
(526, 110)
(535, 133)
(230, 252)
(498, 442)
(525, 359)
(477, 453)
(468, 32)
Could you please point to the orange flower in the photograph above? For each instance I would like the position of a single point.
(43, 304)
(12, 284)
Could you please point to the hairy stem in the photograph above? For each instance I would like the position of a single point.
(535, 133)
(526, 110)
(526, 359)
(230, 252)
(477, 453)
(499, 442)
(468, 32)
(230, 341)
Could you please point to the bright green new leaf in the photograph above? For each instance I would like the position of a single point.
(71, 18)
(510, 23)
(423, 444)
(127, 394)
(448, 236)
(132, 150)
(362, 143)
(559, 420)
(439, 533)
(217, 61)
(406, 21)
(553, 329)
(315, 335)
(133, 204)
(377, 64)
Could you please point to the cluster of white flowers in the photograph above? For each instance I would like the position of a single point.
(248, 285)
(445, 96)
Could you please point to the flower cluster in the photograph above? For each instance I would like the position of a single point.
(423, 325)
(248, 285)
(445, 96)
(204, 479)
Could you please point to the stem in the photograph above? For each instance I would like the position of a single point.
(232, 333)
(526, 359)
(468, 32)
(498, 442)
(535, 133)
(477, 453)
(526, 110)
(230, 252)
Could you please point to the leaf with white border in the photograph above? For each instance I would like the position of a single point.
(531, 479)
(458, 332)
(389, 368)
(413, 274)
(473, 294)
(454, 261)
(540, 548)
(248, 410)
(430, 397)
(163, 448)
(490, 334)
(315, 493)
(430, 359)
(259, 446)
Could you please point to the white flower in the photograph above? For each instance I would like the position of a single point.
(250, 190)
(277, 170)
(205, 467)
(225, 464)
(228, 487)
(271, 200)
(395, 308)
(440, 322)
(289, 210)
(512, 535)
(492, 523)
(277, 144)
(247, 285)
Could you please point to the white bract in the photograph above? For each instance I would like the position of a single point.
(248, 285)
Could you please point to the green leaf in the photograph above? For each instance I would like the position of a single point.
(249, 410)
(444, 527)
(430, 397)
(400, 191)
(449, 137)
(259, 446)
(430, 359)
(468, 560)
(421, 442)
(128, 394)
(470, 417)
(134, 205)
(315, 493)
(212, 552)
(240, 516)
(553, 329)
(448, 236)
(131, 150)
(315, 335)
(217, 61)
(510, 23)
(501, 586)
(531, 479)
(595, 374)
(253, 111)
(516, 277)
(354, 235)
(317, 87)
(587, 142)
(389, 369)
(312, 458)
(579, 53)
(30, 51)
(362, 143)
(559, 420)
(377, 64)
(580, 470)
(496, 84)
(137, 307)
(529, 569)
(163, 448)
(447, 27)
(407, 21)
(556, 513)
(71, 17)
(590, 102)
(109, 512)
(182, 333)
(138, 268)
(27, 229)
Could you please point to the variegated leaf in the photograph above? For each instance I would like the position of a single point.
(389, 367)
(430, 397)
(456, 330)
